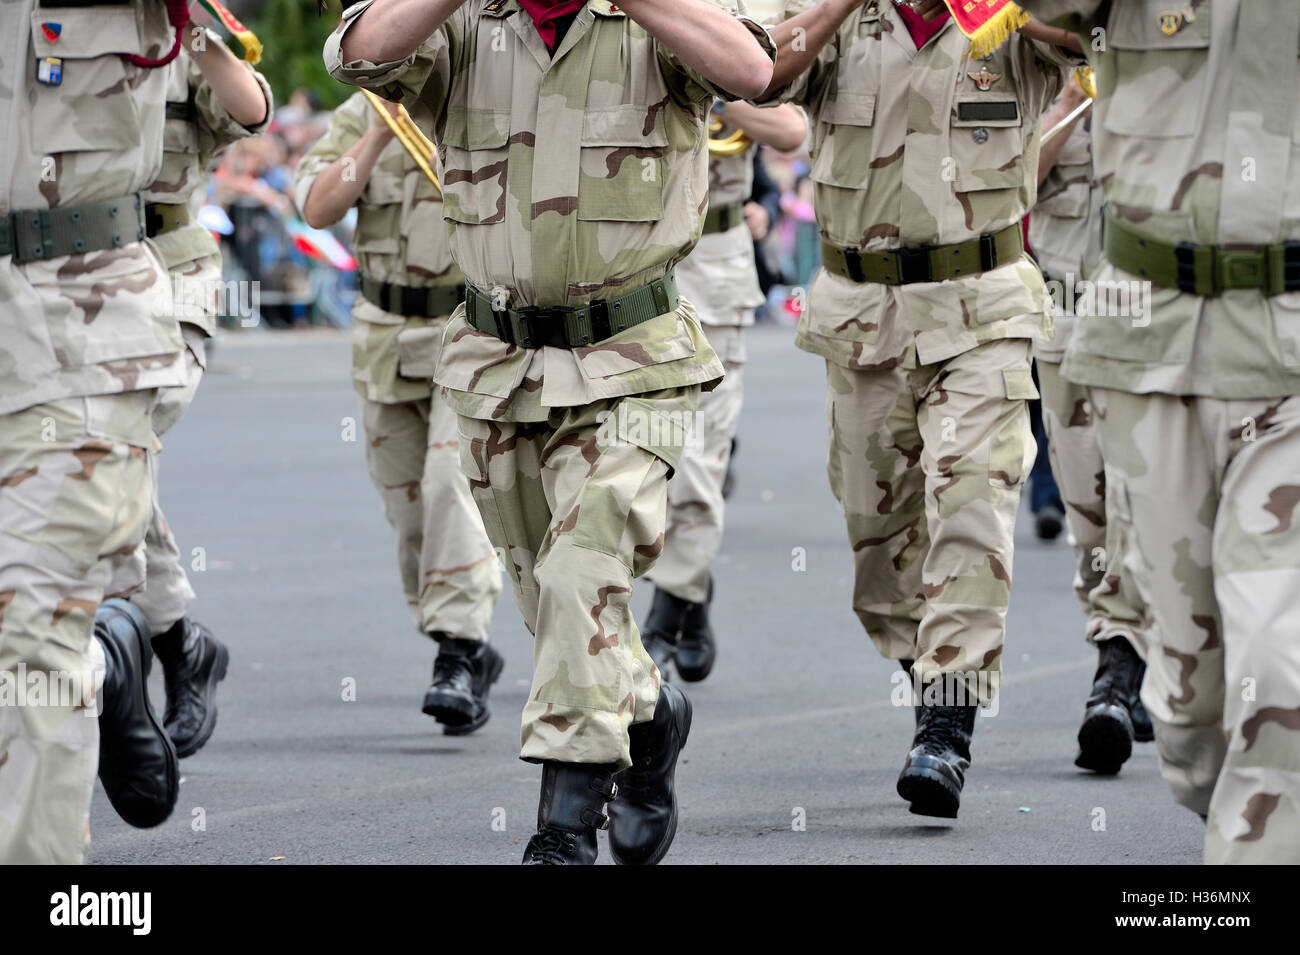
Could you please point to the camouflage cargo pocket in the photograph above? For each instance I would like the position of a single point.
(986, 141)
(621, 169)
(475, 164)
(76, 114)
(840, 157)
(1152, 66)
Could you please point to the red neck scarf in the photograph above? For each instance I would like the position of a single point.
(546, 12)
(920, 28)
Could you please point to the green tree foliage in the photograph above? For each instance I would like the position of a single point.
(293, 36)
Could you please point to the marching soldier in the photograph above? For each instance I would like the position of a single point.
(924, 161)
(1065, 235)
(83, 353)
(409, 286)
(720, 279)
(213, 100)
(1196, 396)
(571, 140)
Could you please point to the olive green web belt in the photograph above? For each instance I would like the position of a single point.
(571, 326)
(932, 263)
(722, 218)
(1206, 270)
(30, 235)
(431, 302)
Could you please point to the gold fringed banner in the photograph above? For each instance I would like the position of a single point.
(246, 37)
(987, 23)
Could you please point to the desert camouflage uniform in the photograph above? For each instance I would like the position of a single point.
(1197, 138)
(720, 279)
(449, 571)
(1065, 234)
(927, 382)
(82, 352)
(191, 147)
(567, 179)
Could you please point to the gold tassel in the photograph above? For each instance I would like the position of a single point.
(994, 33)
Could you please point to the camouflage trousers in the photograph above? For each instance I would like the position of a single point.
(75, 490)
(449, 570)
(1208, 490)
(928, 464)
(695, 505)
(166, 594)
(1104, 587)
(577, 506)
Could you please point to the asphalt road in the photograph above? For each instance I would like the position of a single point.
(795, 746)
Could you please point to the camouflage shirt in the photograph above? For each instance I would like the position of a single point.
(1065, 232)
(720, 277)
(400, 238)
(1177, 159)
(913, 148)
(566, 179)
(82, 324)
(191, 147)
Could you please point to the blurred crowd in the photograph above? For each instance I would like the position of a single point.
(305, 277)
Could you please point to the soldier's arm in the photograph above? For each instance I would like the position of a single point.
(781, 127)
(390, 30)
(1073, 97)
(333, 173)
(233, 84)
(709, 40)
(800, 39)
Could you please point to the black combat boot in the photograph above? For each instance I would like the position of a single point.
(916, 703)
(193, 663)
(663, 627)
(729, 479)
(450, 698)
(643, 820)
(137, 761)
(1106, 736)
(935, 770)
(571, 809)
(487, 665)
(697, 650)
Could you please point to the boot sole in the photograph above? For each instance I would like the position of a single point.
(216, 673)
(1105, 743)
(173, 770)
(684, 730)
(930, 791)
(494, 673)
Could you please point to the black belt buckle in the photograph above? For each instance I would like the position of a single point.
(414, 301)
(1291, 265)
(544, 325)
(853, 266)
(988, 252)
(1185, 267)
(913, 266)
(724, 219)
(153, 220)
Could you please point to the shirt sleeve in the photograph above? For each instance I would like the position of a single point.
(421, 82)
(806, 88)
(347, 126)
(690, 85)
(218, 130)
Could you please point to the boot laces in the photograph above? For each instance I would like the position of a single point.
(554, 846)
(941, 728)
(446, 666)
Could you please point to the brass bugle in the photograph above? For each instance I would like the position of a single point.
(733, 144)
(417, 145)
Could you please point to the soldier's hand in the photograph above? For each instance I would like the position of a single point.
(380, 129)
(1074, 94)
(758, 220)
